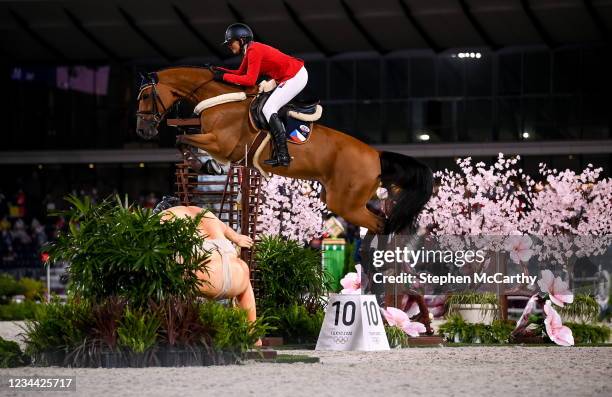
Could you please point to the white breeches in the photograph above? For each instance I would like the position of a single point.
(285, 92)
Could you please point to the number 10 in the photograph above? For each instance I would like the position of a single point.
(371, 312)
(346, 321)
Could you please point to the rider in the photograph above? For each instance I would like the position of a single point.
(261, 59)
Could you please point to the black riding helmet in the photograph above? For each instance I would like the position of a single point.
(165, 203)
(240, 32)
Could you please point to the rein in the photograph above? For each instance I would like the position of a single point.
(157, 115)
(154, 112)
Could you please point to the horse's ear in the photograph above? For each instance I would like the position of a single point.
(153, 77)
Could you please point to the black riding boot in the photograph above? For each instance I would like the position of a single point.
(277, 129)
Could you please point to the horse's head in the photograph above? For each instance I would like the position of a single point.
(159, 91)
(151, 107)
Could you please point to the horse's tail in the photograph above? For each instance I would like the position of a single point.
(415, 181)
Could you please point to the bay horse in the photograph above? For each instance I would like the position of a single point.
(349, 170)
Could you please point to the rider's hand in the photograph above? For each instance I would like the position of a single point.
(218, 75)
(267, 85)
(244, 241)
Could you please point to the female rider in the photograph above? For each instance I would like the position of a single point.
(261, 59)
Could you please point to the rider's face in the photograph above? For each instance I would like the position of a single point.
(234, 46)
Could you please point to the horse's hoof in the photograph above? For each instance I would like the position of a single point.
(380, 226)
(179, 141)
(195, 165)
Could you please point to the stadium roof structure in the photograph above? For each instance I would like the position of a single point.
(80, 31)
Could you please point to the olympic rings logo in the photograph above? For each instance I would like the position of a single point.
(341, 339)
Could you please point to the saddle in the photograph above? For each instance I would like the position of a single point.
(297, 116)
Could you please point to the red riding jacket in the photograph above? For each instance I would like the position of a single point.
(261, 59)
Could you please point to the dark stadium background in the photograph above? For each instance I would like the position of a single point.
(475, 77)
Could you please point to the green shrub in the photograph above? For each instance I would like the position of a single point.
(19, 311)
(11, 355)
(138, 330)
(295, 323)
(82, 330)
(455, 327)
(501, 330)
(589, 333)
(9, 287)
(116, 250)
(289, 274)
(181, 323)
(230, 329)
(584, 308)
(106, 318)
(58, 326)
(128, 294)
(472, 298)
(396, 336)
(33, 289)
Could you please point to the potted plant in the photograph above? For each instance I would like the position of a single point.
(584, 309)
(474, 307)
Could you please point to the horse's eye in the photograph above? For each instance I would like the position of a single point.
(145, 96)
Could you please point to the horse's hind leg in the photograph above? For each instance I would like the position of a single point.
(349, 200)
(365, 218)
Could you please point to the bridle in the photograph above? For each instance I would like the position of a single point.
(157, 116)
(155, 113)
(158, 111)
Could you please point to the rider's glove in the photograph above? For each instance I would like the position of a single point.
(218, 74)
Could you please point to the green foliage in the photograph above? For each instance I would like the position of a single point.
(138, 330)
(230, 329)
(396, 336)
(589, 333)
(33, 289)
(11, 355)
(9, 287)
(584, 308)
(106, 318)
(472, 298)
(116, 250)
(290, 274)
(295, 323)
(180, 323)
(82, 331)
(19, 311)
(58, 326)
(455, 327)
(128, 295)
(501, 330)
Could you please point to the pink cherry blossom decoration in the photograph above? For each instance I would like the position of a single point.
(519, 248)
(352, 282)
(556, 288)
(556, 331)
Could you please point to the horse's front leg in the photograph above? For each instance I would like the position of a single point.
(206, 142)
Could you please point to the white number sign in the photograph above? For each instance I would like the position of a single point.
(352, 322)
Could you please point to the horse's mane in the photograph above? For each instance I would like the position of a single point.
(184, 67)
(229, 85)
